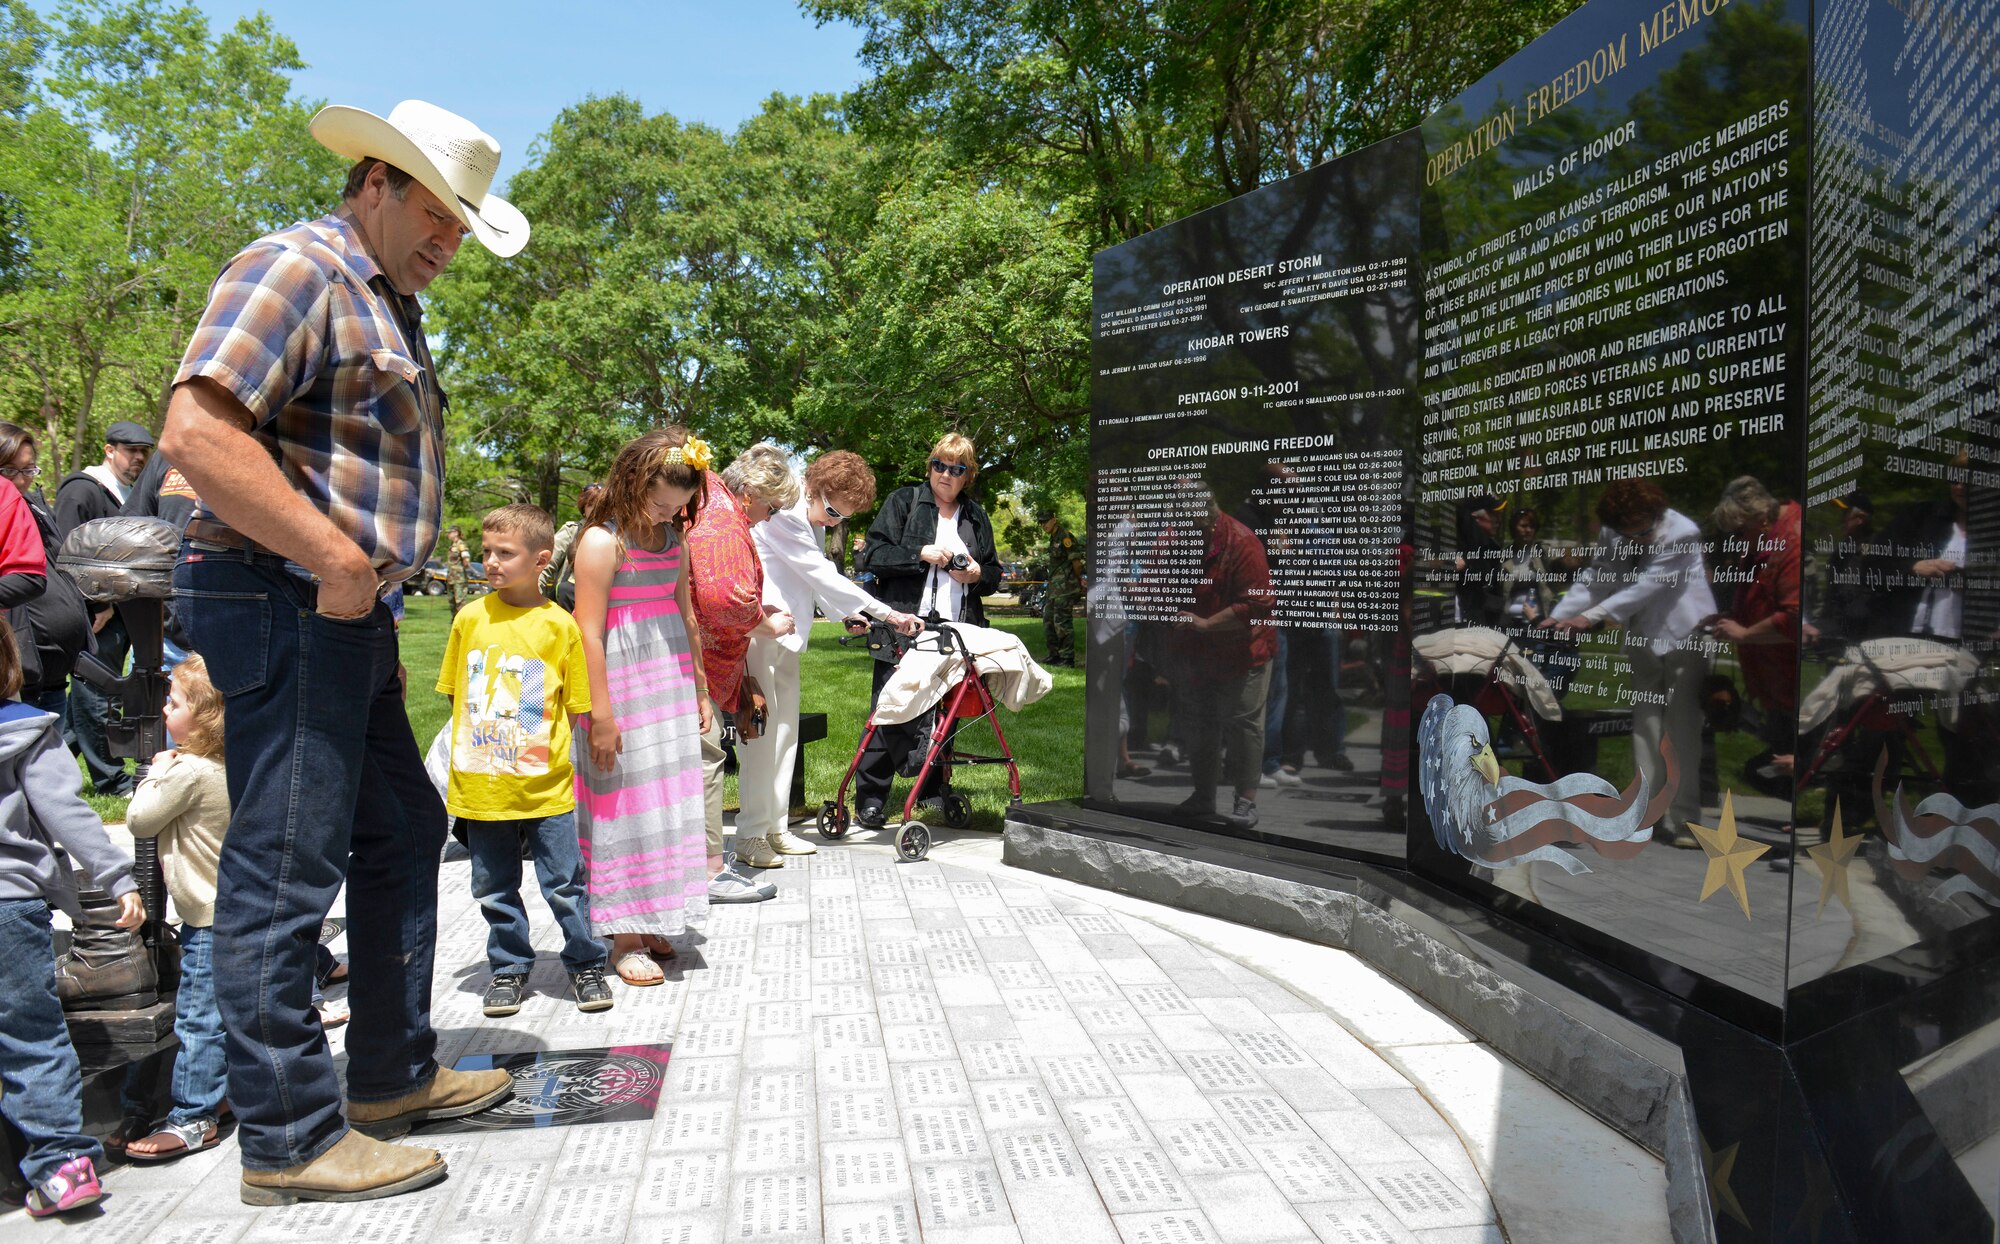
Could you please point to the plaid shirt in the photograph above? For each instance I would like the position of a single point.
(306, 332)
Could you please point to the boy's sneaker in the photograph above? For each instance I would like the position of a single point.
(503, 996)
(1244, 814)
(729, 886)
(592, 994)
(73, 1186)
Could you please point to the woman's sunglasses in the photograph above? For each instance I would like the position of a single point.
(953, 469)
(832, 513)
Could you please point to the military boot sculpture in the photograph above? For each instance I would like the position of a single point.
(127, 563)
(106, 968)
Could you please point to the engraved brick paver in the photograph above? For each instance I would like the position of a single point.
(899, 1052)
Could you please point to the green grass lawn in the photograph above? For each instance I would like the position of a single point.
(1046, 738)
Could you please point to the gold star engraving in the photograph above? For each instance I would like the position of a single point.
(1728, 855)
(1831, 859)
(1720, 1194)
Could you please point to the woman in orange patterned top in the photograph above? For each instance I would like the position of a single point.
(727, 581)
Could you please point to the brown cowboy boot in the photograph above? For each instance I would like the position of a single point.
(357, 1168)
(449, 1095)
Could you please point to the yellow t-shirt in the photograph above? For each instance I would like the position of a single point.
(514, 675)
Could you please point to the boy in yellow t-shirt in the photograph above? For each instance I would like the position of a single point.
(514, 671)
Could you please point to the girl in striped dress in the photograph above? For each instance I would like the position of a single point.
(639, 807)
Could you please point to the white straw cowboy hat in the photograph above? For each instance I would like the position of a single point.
(447, 154)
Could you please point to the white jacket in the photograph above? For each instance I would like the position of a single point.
(1658, 591)
(925, 674)
(797, 572)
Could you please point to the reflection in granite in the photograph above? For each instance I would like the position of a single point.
(1522, 415)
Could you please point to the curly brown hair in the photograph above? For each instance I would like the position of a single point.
(641, 464)
(204, 703)
(1630, 502)
(845, 475)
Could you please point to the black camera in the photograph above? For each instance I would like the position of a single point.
(960, 561)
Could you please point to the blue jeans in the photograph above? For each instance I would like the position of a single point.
(88, 710)
(496, 883)
(41, 1083)
(328, 787)
(201, 1068)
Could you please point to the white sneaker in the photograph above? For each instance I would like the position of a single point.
(1288, 777)
(785, 843)
(757, 853)
(733, 887)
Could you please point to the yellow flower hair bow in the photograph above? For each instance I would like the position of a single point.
(694, 454)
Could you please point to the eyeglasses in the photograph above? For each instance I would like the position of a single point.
(835, 515)
(23, 474)
(953, 469)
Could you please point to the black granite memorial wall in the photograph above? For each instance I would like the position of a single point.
(1587, 503)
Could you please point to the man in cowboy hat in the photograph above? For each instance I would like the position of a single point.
(308, 417)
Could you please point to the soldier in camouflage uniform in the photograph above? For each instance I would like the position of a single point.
(457, 562)
(1065, 590)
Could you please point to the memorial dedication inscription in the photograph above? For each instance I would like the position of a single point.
(1613, 403)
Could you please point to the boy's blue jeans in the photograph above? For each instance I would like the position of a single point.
(496, 883)
(328, 787)
(41, 1083)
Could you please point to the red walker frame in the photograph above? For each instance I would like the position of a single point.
(969, 700)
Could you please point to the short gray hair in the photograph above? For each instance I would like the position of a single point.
(763, 472)
(1743, 499)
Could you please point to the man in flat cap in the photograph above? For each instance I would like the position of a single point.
(97, 491)
(307, 415)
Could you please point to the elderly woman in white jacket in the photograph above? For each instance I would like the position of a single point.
(838, 485)
(1649, 577)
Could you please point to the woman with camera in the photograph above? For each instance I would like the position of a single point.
(931, 550)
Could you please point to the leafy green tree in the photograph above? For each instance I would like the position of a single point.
(1138, 112)
(676, 275)
(146, 152)
(968, 314)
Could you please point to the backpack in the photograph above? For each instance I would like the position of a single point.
(54, 628)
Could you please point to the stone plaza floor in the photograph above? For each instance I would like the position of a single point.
(955, 1050)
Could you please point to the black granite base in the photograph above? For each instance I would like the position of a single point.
(1761, 1140)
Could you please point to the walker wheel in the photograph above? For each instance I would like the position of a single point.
(913, 840)
(957, 811)
(833, 821)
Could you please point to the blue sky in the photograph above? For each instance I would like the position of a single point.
(512, 66)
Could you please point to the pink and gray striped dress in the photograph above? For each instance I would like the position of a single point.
(642, 825)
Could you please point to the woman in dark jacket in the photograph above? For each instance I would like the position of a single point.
(913, 549)
(911, 557)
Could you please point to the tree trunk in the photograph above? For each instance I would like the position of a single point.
(548, 484)
(82, 426)
(52, 429)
